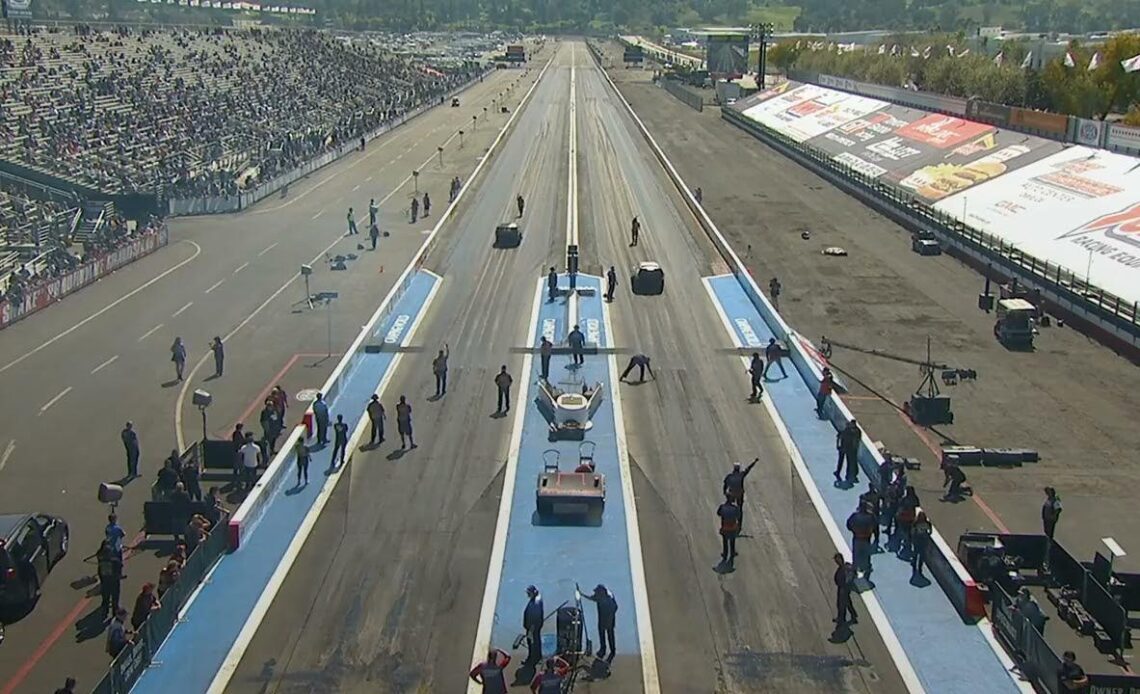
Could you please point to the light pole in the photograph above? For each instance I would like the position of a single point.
(326, 298)
(474, 123)
(761, 32)
(460, 139)
(440, 151)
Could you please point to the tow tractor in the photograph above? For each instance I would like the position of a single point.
(1014, 325)
(578, 493)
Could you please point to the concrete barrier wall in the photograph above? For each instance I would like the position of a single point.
(690, 99)
(251, 510)
(951, 575)
(182, 207)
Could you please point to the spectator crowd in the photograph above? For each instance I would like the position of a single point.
(194, 112)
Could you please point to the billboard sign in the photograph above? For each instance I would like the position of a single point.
(1123, 136)
(18, 9)
(1089, 131)
(1079, 208)
(727, 55)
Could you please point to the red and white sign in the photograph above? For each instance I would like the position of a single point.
(1079, 208)
(45, 294)
(943, 132)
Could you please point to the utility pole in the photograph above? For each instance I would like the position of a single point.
(761, 32)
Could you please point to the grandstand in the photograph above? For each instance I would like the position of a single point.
(196, 112)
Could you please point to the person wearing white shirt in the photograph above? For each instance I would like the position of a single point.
(250, 454)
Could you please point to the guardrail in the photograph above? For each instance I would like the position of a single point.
(951, 575)
(181, 207)
(251, 510)
(1115, 322)
(129, 665)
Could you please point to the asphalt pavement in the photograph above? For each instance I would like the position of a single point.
(74, 373)
(386, 593)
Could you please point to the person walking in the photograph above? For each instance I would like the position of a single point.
(607, 619)
(351, 217)
(844, 584)
(373, 210)
(404, 423)
(373, 235)
(321, 419)
(301, 450)
(729, 514)
(847, 444)
(178, 356)
(415, 209)
(340, 442)
(376, 418)
(427, 204)
(545, 349)
(131, 444)
(503, 383)
(577, 342)
(1050, 512)
(439, 368)
(634, 231)
(774, 353)
(219, 351)
(551, 285)
(862, 526)
(641, 362)
(920, 533)
(611, 283)
(756, 374)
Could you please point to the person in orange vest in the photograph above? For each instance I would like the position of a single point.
(729, 514)
(491, 673)
(826, 387)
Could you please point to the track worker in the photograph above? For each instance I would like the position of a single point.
(534, 614)
(552, 678)
(641, 363)
(404, 422)
(607, 618)
(729, 514)
(376, 418)
(756, 376)
(439, 368)
(491, 673)
(734, 485)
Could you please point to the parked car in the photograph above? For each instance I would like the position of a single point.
(30, 547)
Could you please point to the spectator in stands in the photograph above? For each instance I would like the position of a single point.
(196, 532)
(191, 478)
(1071, 675)
(118, 636)
(167, 481)
(213, 507)
(179, 508)
(146, 604)
(168, 577)
(68, 686)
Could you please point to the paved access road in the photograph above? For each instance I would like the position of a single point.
(74, 373)
(386, 594)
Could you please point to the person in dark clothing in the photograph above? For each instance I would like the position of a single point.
(68, 686)
(953, 476)
(577, 342)
(545, 349)
(521, 204)
(131, 444)
(427, 204)
(1050, 512)
(826, 387)
(340, 442)
(844, 584)
(270, 426)
(641, 363)
(1071, 675)
(908, 511)
(301, 451)
(774, 353)
(551, 285)
(552, 679)
(238, 440)
(404, 422)
(179, 508)
(191, 477)
(376, 418)
(847, 443)
(889, 506)
(733, 487)
(321, 419)
(920, 533)
(607, 617)
(439, 369)
(872, 502)
(110, 571)
(729, 514)
(415, 209)
(503, 382)
(862, 525)
(491, 673)
(634, 232)
(534, 615)
(374, 235)
(756, 373)
(611, 283)
(167, 480)
(775, 289)
(219, 351)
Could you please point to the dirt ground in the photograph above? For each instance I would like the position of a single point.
(1071, 399)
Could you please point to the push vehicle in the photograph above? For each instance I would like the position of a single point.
(30, 547)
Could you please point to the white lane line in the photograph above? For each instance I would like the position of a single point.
(215, 285)
(506, 498)
(399, 157)
(150, 332)
(572, 185)
(356, 188)
(261, 608)
(318, 214)
(240, 268)
(870, 601)
(368, 179)
(649, 673)
(104, 365)
(8, 450)
(267, 249)
(108, 307)
(179, 311)
(56, 399)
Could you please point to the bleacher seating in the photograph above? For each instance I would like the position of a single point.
(189, 112)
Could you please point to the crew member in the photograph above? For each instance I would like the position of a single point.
(734, 485)
(503, 382)
(607, 617)
(545, 349)
(577, 342)
(521, 204)
(321, 418)
(699, 194)
(376, 419)
(373, 210)
(635, 231)
(351, 217)
(219, 351)
(920, 533)
(301, 450)
(404, 422)
(1050, 512)
(552, 284)
(340, 442)
(427, 204)
(642, 363)
(826, 386)
(729, 514)
(844, 583)
(862, 526)
(774, 353)
(131, 444)
(872, 501)
(550, 680)
(534, 614)
(415, 209)
(953, 476)
(756, 371)
(774, 289)
(439, 368)
(847, 443)
(611, 283)
(374, 235)
(491, 673)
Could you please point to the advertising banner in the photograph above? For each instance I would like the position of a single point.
(1051, 123)
(18, 9)
(1089, 132)
(1079, 208)
(807, 111)
(1123, 136)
